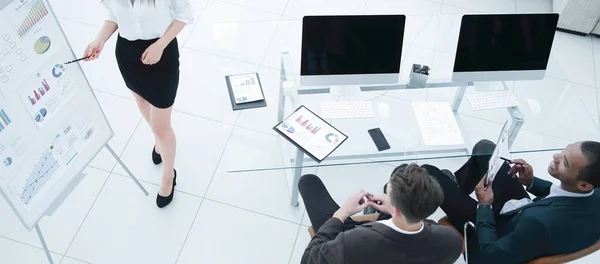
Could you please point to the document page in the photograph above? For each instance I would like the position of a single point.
(437, 123)
(501, 150)
(246, 88)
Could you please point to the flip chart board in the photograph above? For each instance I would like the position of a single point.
(51, 125)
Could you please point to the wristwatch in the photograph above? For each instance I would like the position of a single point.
(482, 205)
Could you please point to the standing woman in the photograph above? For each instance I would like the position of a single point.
(148, 58)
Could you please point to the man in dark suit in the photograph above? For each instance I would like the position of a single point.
(401, 235)
(512, 228)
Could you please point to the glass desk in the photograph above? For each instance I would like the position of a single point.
(550, 116)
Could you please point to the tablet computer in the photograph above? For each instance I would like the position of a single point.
(310, 133)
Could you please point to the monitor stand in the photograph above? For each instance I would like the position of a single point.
(488, 86)
(343, 90)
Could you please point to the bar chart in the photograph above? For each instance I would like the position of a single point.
(248, 82)
(4, 120)
(39, 93)
(37, 11)
(307, 125)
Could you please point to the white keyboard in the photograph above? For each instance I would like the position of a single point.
(359, 109)
(492, 100)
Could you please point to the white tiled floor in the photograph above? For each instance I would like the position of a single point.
(219, 217)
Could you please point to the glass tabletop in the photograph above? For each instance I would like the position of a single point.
(552, 109)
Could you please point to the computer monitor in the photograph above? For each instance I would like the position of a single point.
(504, 47)
(351, 50)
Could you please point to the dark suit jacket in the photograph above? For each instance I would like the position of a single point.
(378, 243)
(556, 225)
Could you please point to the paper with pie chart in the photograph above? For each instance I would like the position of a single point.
(46, 93)
(26, 42)
(311, 133)
(246, 88)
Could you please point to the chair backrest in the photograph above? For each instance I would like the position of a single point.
(554, 259)
(446, 222)
(564, 258)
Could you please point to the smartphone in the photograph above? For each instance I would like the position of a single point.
(380, 142)
(365, 199)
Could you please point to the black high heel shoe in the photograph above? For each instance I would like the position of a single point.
(162, 201)
(156, 158)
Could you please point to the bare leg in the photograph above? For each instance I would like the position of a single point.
(144, 107)
(160, 122)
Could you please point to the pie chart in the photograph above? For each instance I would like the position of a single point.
(58, 70)
(332, 138)
(8, 161)
(38, 118)
(42, 45)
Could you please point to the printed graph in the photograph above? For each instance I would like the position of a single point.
(42, 45)
(248, 82)
(4, 120)
(332, 138)
(39, 92)
(307, 125)
(43, 170)
(37, 11)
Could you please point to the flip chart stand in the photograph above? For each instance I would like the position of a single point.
(70, 189)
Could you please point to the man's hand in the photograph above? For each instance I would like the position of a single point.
(485, 195)
(354, 205)
(523, 170)
(374, 202)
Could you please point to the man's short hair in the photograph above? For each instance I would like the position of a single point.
(591, 173)
(414, 192)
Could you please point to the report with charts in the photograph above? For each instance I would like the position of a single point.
(317, 138)
(27, 40)
(47, 91)
(501, 151)
(246, 88)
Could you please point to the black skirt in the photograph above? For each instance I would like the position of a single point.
(156, 83)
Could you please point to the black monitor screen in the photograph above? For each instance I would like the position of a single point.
(513, 42)
(337, 45)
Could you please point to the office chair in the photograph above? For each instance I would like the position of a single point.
(553, 259)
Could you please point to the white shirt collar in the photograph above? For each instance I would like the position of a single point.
(556, 191)
(391, 224)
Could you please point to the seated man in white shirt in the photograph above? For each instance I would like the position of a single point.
(512, 228)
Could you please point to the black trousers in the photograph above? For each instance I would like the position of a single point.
(319, 204)
(460, 207)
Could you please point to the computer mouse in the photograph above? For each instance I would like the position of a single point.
(534, 106)
(383, 110)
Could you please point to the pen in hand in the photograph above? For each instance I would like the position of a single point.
(511, 162)
(76, 60)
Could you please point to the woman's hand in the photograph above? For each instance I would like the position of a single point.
(93, 50)
(153, 53)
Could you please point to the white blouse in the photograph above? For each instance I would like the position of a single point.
(142, 20)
